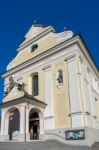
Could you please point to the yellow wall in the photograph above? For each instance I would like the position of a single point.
(61, 98)
(28, 81)
(42, 46)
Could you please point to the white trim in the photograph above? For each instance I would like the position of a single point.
(75, 40)
(66, 54)
(40, 35)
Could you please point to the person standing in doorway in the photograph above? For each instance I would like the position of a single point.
(31, 133)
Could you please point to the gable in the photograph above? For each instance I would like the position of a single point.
(33, 32)
(14, 94)
(44, 43)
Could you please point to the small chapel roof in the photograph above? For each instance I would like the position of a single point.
(26, 98)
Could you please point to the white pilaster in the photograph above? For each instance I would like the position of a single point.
(86, 94)
(48, 123)
(74, 92)
(41, 123)
(6, 128)
(73, 86)
(27, 119)
(2, 122)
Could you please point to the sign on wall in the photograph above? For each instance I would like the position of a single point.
(75, 135)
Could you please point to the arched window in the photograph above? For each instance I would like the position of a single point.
(35, 85)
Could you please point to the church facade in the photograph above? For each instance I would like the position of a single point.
(51, 90)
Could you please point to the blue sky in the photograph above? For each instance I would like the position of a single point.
(17, 16)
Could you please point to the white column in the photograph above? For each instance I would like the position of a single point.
(2, 122)
(22, 117)
(6, 124)
(27, 119)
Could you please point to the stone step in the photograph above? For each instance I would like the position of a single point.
(39, 145)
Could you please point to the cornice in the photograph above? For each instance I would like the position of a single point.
(87, 54)
(70, 42)
(21, 101)
(39, 57)
(40, 35)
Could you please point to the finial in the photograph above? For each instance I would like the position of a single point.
(34, 21)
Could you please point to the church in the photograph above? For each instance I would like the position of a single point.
(51, 90)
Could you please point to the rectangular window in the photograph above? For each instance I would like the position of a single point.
(35, 85)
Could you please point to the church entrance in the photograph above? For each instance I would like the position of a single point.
(14, 122)
(34, 125)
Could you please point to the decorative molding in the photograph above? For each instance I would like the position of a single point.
(40, 35)
(61, 46)
(48, 117)
(19, 79)
(87, 113)
(62, 36)
(75, 113)
(79, 73)
(32, 31)
(87, 55)
(10, 65)
(46, 67)
(70, 58)
(41, 65)
(39, 57)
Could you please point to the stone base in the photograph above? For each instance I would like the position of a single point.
(41, 136)
(19, 138)
(4, 138)
(91, 136)
(23, 137)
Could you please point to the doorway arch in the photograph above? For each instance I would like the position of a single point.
(34, 124)
(13, 116)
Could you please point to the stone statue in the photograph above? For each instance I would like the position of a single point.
(12, 83)
(60, 76)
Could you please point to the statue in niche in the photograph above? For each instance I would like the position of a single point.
(12, 83)
(60, 77)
